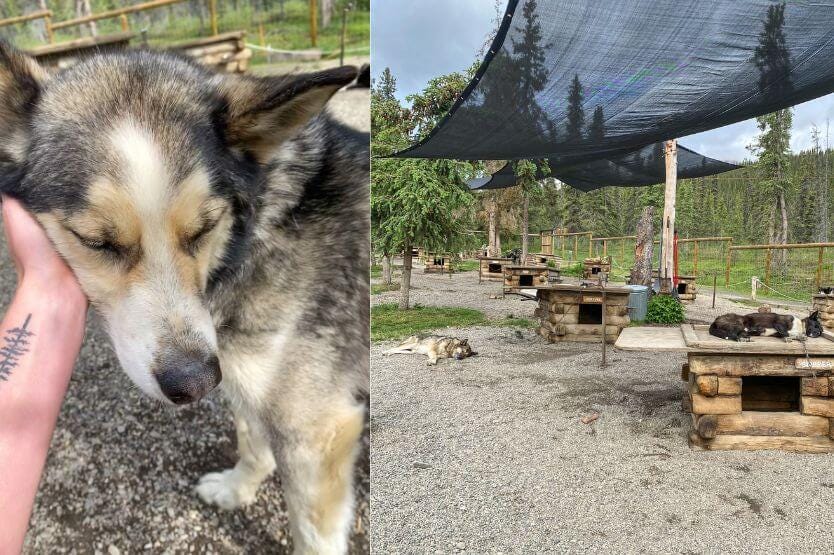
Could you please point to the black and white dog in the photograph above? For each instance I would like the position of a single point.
(736, 327)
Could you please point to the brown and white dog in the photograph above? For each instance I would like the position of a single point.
(187, 204)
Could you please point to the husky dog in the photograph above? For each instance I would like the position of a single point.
(187, 203)
(435, 347)
(769, 324)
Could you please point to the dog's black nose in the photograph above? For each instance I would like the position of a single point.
(187, 377)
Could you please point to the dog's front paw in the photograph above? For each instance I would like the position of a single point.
(745, 339)
(225, 489)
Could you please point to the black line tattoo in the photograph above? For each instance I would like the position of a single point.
(16, 344)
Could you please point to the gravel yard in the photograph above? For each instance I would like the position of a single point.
(122, 468)
(489, 454)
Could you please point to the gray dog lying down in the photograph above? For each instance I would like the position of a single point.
(736, 327)
(435, 347)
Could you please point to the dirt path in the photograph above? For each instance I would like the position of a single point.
(489, 455)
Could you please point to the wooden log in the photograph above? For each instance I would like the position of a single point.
(707, 385)
(720, 404)
(747, 365)
(729, 386)
(706, 425)
(685, 372)
(819, 406)
(815, 387)
(757, 443)
(762, 423)
(831, 428)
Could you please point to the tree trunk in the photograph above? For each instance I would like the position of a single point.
(326, 12)
(386, 269)
(405, 280)
(525, 223)
(493, 247)
(782, 254)
(641, 273)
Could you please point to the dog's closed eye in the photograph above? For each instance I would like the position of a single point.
(210, 220)
(101, 245)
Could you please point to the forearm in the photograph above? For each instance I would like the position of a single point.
(40, 337)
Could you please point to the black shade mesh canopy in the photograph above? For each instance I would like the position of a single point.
(646, 166)
(576, 81)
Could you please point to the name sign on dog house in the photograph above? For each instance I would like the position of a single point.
(815, 363)
(590, 298)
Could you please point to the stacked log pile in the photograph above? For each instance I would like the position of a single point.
(542, 259)
(225, 52)
(559, 313)
(727, 413)
(825, 304)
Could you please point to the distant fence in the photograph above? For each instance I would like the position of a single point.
(784, 271)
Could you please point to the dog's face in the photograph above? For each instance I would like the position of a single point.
(462, 350)
(144, 170)
(813, 326)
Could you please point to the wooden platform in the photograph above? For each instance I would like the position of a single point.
(649, 338)
(65, 54)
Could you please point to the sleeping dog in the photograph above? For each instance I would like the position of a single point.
(769, 324)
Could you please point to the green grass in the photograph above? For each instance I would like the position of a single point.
(287, 31)
(513, 322)
(389, 322)
(376, 271)
(378, 288)
(466, 265)
(573, 270)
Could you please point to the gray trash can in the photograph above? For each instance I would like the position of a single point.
(638, 302)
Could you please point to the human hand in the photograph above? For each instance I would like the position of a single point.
(34, 256)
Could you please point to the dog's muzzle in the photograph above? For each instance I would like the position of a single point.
(187, 377)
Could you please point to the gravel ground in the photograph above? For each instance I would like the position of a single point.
(489, 454)
(121, 468)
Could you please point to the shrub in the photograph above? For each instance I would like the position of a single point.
(664, 309)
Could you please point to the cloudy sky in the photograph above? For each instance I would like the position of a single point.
(421, 40)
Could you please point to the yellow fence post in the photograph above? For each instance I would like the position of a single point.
(576, 247)
(125, 24)
(213, 12)
(695, 261)
(768, 260)
(313, 22)
(819, 268)
(49, 36)
(729, 263)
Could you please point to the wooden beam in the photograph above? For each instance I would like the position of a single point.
(667, 229)
(40, 14)
(114, 13)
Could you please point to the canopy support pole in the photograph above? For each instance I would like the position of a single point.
(667, 237)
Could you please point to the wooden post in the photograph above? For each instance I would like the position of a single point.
(714, 284)
(314, 32)
(604, 338)
(213, 14)
(668, 227)
(768, 260)
(590, 245)
(819, 268)
(49, 36)
(695, 261)
(622, 251)
(344, 30)
(729, 262)
(261, 35)
(124, 22)
(576, 247)
(604, 247)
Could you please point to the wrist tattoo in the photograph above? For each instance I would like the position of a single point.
(15, 344)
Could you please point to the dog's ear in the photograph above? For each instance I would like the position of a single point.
(263, 112)
(815, 314)
(21, 79)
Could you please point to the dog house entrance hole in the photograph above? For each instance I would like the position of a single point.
(590, 314)
(595, 270)
(770, 393)
(438, 262)
(682, 288)
(494, 268)
(525, 281)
